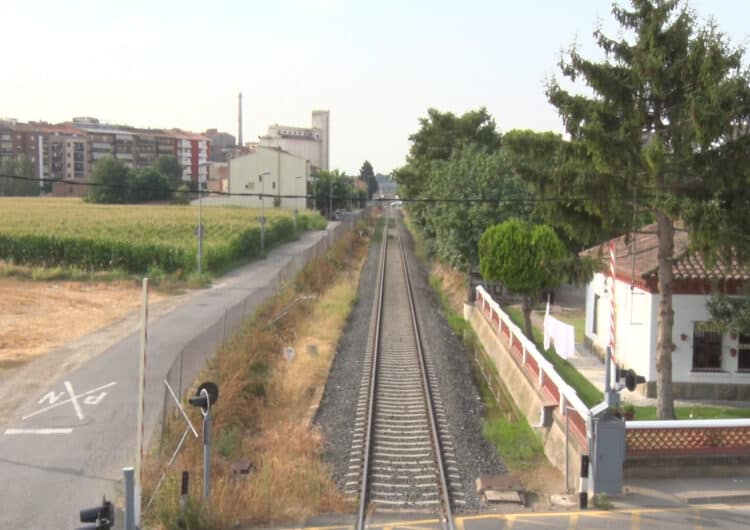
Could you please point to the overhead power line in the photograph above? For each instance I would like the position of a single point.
(525, 199)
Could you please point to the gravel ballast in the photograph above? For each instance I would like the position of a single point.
(461, 400)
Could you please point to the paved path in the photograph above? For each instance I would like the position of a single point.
(65, 447)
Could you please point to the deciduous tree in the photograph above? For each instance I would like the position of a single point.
(111, 181)
(439, 134)
(170, 167)
(524, 258)
(24, 184)
(452, 228)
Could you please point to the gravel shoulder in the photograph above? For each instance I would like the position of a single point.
(463, 405)
(461, 399)
(336, 412)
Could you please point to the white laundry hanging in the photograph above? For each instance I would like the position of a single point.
(559, 334)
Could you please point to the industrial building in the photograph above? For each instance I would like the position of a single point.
(311, 143)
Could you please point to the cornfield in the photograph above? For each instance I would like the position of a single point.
(133, 238)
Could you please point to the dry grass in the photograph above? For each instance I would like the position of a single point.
(36, 317)
(453, 283)
(265, 406)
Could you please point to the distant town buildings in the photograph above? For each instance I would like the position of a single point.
(68, 151)
(223, 145)
(269, 171)
(311, 143)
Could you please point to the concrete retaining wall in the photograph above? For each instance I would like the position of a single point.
(527, 399)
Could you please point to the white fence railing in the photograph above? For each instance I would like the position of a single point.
(546, 379)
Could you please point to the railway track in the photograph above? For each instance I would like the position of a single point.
(402, 457)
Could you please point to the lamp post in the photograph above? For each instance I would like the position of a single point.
(200, 222)
(315, 181)
(262, 213)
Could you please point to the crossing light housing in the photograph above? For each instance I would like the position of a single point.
(631, 379)
(205, 396)
(102, 516)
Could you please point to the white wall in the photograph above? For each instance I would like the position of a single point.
(634, 328)
(282, 180)
(302, 147)
(690, 309)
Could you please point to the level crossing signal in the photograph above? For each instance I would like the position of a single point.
(631, 378)
(102, 516)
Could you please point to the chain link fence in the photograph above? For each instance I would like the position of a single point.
(198, 350)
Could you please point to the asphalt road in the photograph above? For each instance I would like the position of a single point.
(66, 446)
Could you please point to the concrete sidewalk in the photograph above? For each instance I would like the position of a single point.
(677, 492)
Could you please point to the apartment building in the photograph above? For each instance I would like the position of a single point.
(68, 151)
(138, 148)
(311, 143)
(56, 151)
(19, 140)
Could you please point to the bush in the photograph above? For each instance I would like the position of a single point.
(182, 195)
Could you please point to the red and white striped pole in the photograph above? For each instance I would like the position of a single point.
(141, 405)
(612, 375)
(612, 312)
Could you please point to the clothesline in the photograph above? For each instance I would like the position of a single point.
(559, 334)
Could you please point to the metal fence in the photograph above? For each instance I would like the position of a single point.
(198, 350)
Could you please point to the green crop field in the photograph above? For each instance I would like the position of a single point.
(134, 238)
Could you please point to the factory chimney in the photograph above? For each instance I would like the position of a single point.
(239, 119)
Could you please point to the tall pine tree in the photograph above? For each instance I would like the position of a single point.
(667, 124)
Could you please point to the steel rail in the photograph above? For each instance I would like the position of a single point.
(437, 449)
(371, 394)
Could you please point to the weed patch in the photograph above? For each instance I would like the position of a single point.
(507, 430)
(264, 411)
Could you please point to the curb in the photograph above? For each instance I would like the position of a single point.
(741, 498)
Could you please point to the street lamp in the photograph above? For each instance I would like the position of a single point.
(262, 213)
(314, 180)
(201, 183)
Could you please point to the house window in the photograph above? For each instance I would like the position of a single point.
(706, 347)
(595, 320)
(743, 352)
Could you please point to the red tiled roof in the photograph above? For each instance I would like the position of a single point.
(637, 257)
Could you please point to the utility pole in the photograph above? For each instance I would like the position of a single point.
(330, 198)
(200, 227)
(262, 212)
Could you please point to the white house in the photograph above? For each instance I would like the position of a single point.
(283, 182)
(705, 363)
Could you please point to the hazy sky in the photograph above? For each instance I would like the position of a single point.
(376, 65)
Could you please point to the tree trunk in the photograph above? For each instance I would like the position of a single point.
(664, 344)
(526, 307)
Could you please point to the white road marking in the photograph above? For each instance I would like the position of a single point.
(50, 407)
(52, 397)
(39, 431)
(73, 399)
